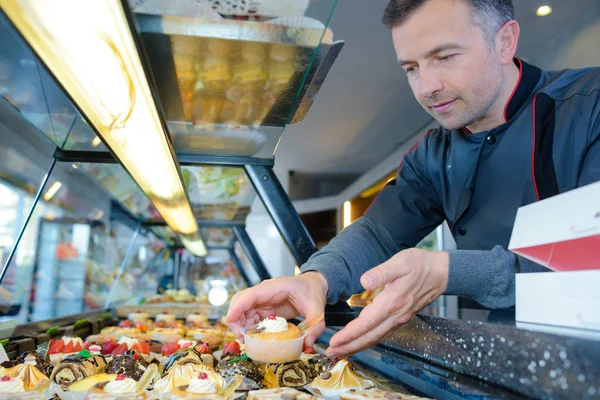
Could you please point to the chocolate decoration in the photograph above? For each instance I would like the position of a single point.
(40, 363)
(127, 365)
(188, 355)
(252, 376)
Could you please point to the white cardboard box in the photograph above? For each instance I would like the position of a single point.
(563, 234)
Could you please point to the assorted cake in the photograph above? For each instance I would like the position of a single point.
(114, 365)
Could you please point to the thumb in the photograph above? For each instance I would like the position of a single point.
(313, 334)
(385, 273)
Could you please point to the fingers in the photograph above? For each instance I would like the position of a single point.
(313, 334)
(269, 292)
(369, 319)
(364, 342)
(396, 267)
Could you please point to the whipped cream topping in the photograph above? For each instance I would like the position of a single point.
(95, 349)
(128, 341)
(273, 325)
(12, 385)
(197, 385)
(126, 385)
(187, 343)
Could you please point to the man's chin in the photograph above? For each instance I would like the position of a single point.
(449, 124)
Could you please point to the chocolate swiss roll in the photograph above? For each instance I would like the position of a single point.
(75, 368)
(292, 374)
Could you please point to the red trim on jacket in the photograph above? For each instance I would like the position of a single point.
(537, 194)
(514, 89)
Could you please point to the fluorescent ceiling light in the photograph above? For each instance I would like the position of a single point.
(543, 11)
(52, 191)
(89, 47)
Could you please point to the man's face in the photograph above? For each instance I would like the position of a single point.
(451, 69)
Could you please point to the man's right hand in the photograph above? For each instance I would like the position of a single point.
(285, 297)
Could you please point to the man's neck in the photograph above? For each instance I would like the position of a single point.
(495, 116)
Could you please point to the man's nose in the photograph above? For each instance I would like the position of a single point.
(429, 83)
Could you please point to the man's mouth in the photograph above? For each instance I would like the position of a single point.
(442, 107)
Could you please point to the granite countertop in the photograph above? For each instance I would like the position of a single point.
(535, 364)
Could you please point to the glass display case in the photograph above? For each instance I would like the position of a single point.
(225, 88)
(91, 222)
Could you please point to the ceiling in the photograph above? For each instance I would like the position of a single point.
(365, 109)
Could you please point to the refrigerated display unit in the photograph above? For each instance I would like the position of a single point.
(214, 95)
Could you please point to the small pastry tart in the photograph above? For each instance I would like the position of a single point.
(28, 372)
(165, 317)
(121, 387)
(212, 337)
(118, 331)
(166, 335)
(100, 338)
(181, 375)
(190, 356)
(197, 320)
(138, 316)
(340, 378)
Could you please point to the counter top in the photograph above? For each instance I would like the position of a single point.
(535, 364)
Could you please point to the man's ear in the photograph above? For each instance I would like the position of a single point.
(507, 41)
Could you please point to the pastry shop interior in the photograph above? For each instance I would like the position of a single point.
(137, 140)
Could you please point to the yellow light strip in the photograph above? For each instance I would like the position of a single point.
(52, 191)
(88, 46)
(347, 214)
(96, 141)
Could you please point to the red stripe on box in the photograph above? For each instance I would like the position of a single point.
(569, 255)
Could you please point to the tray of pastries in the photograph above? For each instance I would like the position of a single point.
(162, 357)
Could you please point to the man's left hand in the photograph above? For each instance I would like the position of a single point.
(412, 279)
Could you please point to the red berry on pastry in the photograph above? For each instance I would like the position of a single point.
(170, 348)
(69, 347)
(120, 349)
(108, 347)
(5, 378)
(56, 346)
(202, 375)
(203, 348)
(120, 377)
(232, 348)
(145, 346)
(272, 317)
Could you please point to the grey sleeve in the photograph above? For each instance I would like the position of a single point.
(401, 215)
(358, 248)
(487, 276)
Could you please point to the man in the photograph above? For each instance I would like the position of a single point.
(510, 135)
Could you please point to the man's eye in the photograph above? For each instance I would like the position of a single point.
(446, 58)
(410, 70)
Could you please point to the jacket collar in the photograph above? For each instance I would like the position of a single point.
(529, 77)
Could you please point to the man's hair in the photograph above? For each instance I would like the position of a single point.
(489, 15)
